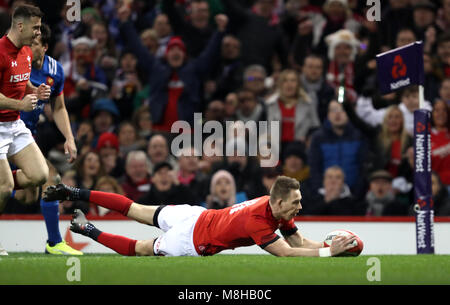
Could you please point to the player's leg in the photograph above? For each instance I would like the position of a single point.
(6, 182)
(120, 244)
(125, 206)
(33, 169)
(50, 210)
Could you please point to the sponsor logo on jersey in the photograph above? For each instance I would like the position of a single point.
(17, 78)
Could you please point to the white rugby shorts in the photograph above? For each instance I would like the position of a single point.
(14, 136)
(178, 222)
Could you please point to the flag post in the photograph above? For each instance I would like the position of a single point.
(397, 69)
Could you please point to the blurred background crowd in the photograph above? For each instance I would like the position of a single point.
(131, 73)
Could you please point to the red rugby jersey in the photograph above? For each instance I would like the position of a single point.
(15, 70)
(240, 225)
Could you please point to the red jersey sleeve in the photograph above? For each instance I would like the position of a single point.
(261, 232)
(288, 227)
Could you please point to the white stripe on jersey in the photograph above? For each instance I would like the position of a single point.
(52, 66)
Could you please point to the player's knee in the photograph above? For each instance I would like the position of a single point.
(6, 190)
(39, 177)
(144, 248)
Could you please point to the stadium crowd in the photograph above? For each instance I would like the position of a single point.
(131, 73)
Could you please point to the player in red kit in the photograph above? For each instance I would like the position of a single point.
(196, 231)
(18, 94)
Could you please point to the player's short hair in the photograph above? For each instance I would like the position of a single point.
(282, 187)
(46, 34)
(27, 11)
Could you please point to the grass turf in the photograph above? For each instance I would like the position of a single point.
(32, 268)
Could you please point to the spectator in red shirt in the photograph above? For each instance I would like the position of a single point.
(292, 107)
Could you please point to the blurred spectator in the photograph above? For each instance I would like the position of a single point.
(126, 84)
(249, 109)
(88, 170)
(84, 137)
(163, 30)
(158, 151)
(295, 164)
(108, 150)
(432, 84)
(338, 142)
(396, 16)
(319, 91)
(227, 75)
(440, 197)
(142, 119)
(440, 141)
(194, 29)
(128, 138)
(175, 82)
(223, 191)
(444, 90)
(424, 13)
(334, 198)
(404, 37)
(165, 188)
(211, 159)
(313, 29)
(150, 40)
(104, 114)
(82, 74)
(381, 198)
(248, 25)
(409, 102)
(136, 181)
(254, 80)
(242, 166)
(292, 107)
(215, 111)
(342, 51)
(231, 104)
(388, 142)
(189, 174)
(105, 49)
(443, 16)
(442, 59)
(105, 184)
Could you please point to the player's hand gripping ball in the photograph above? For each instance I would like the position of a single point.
(358, 244)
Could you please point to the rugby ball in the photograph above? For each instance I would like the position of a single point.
(358, 244)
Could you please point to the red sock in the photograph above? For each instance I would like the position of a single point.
(16, 184)
(111, 201)
(120, 244)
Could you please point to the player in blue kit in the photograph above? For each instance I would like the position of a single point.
(48, 71)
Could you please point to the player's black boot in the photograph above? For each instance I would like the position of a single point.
(64, 192)
(80, 225)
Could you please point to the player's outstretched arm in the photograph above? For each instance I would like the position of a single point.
(297, 240)
(339, 245)
(63, 123)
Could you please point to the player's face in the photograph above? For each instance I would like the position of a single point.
(31, 29)
(175, 56)
(223, 189)
(158, 149)
(162, 179)
(440, 114)
(91, 165)
(38, 50)
(394, 121)
(291, 206)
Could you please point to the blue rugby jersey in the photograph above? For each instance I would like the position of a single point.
(52, 74)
